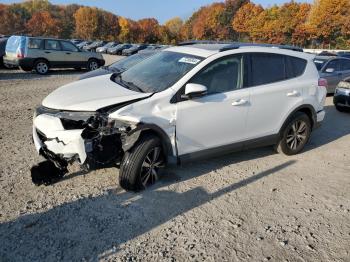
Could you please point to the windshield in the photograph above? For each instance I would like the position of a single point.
(320, 63)
(159, 72)
(130, 61)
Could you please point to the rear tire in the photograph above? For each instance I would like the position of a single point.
(141, 166)
(92, 65)
(295, 135)
(41, 67)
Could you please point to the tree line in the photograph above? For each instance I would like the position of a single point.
(324, 23)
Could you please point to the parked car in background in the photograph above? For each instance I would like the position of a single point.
(92, 47)
(117, 50)
(84, 43)
(333, 69)
(42, 54)
(76, 41)
(151, 47)
(341, 97)
(119, 66)
(134, 49)
(327, 53)
(103, 49)
(344, 54)
(3, 42)
(156, 113)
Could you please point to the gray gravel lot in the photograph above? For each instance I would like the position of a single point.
(249, 206)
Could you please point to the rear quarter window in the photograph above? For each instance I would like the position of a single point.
(295, 66)
(35, 43)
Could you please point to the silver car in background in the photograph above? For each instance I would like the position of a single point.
(333, 69)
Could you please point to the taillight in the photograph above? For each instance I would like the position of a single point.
(322, 82)
(20, 54)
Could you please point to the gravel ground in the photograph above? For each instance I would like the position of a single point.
(249, 206)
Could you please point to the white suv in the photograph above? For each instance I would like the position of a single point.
(184, 103)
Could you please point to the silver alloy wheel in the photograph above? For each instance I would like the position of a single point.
(42, 67)
(93, 65)
(297, 134)
(150, 167)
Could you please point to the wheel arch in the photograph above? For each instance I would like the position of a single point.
(307, 109)
(41, 58)
(147, 129)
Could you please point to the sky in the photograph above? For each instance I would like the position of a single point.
(162, 10)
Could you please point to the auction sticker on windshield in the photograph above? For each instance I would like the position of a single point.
(189, 60)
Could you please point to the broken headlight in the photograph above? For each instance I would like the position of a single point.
(75, 120)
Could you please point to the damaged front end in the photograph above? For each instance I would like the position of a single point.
(90, 138)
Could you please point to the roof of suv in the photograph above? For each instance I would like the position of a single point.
(208, 49)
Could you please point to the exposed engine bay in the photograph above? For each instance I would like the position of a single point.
(91, 138)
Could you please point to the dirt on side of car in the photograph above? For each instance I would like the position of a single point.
(254, 205)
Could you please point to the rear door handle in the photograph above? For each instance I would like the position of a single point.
(293, 94)
(47, 52)
(239, 102)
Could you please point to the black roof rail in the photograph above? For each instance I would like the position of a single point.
(239, 45)
(203, 42)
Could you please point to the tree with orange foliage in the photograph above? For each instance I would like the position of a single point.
(13, 19)
(108, 26)
(327, 19)
(42, 24)
(149, 30)
(244, 20)
(87, 23)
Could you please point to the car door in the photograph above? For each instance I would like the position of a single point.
(54, 53)
(73, 56)
(216, 121)
(273, 95)
(334, 77)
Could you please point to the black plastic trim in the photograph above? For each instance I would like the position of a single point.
(231, 148)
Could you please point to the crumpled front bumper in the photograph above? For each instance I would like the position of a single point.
(50, 135)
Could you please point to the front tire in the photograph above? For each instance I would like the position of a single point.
(41, 67)
(141, 166)
(295, 135)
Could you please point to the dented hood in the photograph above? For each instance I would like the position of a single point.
(90, 95)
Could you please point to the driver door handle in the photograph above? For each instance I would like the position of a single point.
(293, 94)
(239, 102)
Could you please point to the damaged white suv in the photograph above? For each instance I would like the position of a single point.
(181, 104)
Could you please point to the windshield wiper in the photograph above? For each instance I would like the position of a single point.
(131, 84)
(126, 84)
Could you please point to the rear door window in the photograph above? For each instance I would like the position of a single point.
(52, 45)
(34, 43)
(267, 68)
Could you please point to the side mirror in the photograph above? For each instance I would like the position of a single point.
(330, 70)
(194, 90)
